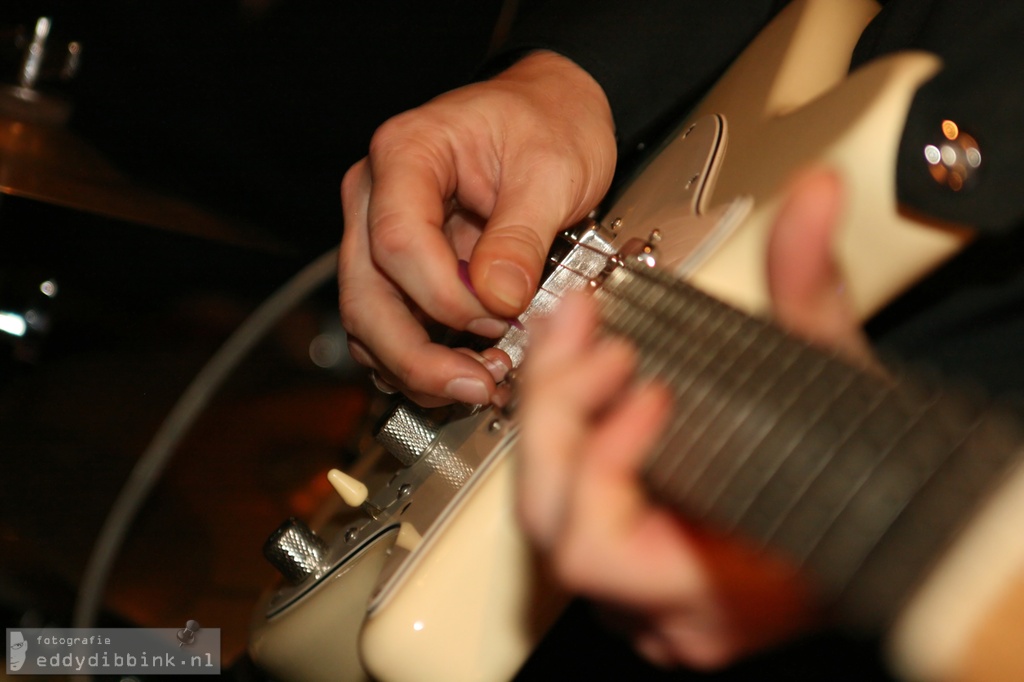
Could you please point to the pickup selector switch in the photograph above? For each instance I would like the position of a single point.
(353, 491)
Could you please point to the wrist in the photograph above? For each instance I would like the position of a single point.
(559, 79)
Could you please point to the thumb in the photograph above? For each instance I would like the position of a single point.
(506, 267)
(509, 257)
(806, 282)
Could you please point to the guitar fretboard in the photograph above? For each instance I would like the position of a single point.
(861, 479)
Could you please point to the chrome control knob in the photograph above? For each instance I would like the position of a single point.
(296, 551)
(406, 434)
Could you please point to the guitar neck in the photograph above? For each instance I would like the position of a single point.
(861, 479)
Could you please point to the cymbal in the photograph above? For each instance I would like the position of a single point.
(48, 164)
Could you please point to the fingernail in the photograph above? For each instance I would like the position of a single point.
(509, 283)
(467, 390)
(487, 326)
(497, 369)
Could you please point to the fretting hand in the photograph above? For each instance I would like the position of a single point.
(682, 594)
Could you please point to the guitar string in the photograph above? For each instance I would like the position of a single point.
(884, 457)
(781, 458)
(828, 514)
(706, 375)
(637, 323)
(858, 553)
(685, 476)
(632, 320)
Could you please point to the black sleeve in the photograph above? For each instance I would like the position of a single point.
(964, 320)
(653, 58)
(981, 43)
(989, 108)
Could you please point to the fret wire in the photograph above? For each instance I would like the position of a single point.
(881, 400)
(710, 463)
(617, 322)
(709, 408)
(684, 476)
(638, 318)
(714, 496)
(769, 455)
(633, 318)
(715, 441)
(884, 457)
(793, 497)
(989, 447)
(683, 349)
(694, 471)
(763, 472)
(638, 324)
(808, 379)
(760, 510)
(685, 346)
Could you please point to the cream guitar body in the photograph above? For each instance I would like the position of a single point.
(429, 577)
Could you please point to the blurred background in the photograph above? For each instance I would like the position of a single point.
(164, 166)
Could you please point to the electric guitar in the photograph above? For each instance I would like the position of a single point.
(894, 495)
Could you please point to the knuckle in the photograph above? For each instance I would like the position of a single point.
(350, 181)
(389, 133)
(359, 353)
(388, 237)
(525, 240)
(357, 317)
(412, 373)
(518, 241)
(404, 134)
(349, 309)
(445, 306)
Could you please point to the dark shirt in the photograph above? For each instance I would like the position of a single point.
(655, 59)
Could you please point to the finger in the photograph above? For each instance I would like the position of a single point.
(413, 181)
(561, 391)
(671, 636)
(557, 161)
(616, 545)
(557, 338)
(495, 361)
(621, 547)
(556, 416)
(694, 637)
(376, 314)
(530, 210)
(806, 283)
